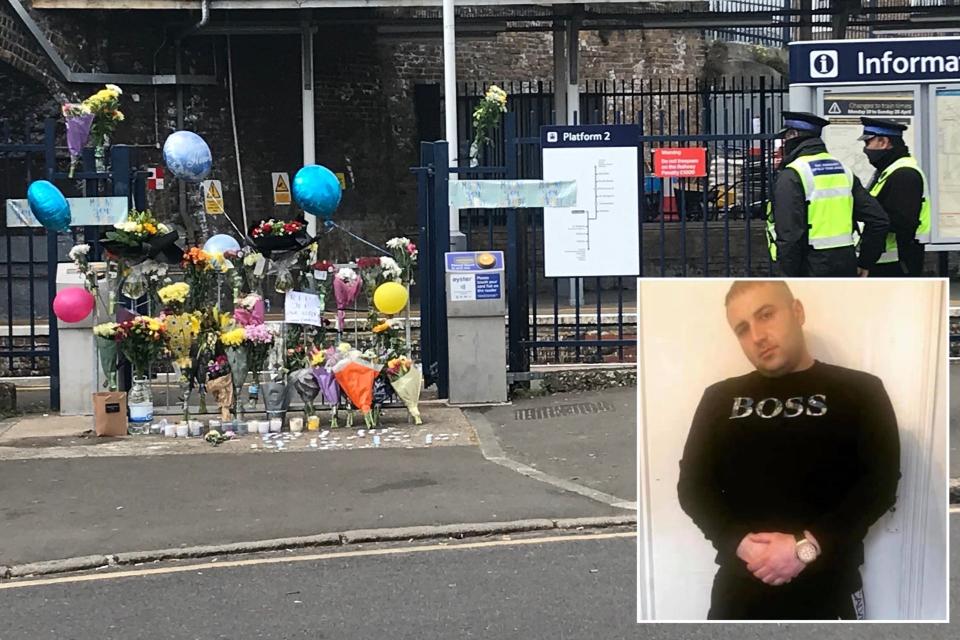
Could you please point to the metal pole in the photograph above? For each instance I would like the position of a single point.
(309, 135)
(457, 239)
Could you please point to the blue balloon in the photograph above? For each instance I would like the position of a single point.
(317, 190)
(49, 206)
(221, 243)
(187, 156)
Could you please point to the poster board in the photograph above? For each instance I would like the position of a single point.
(599, 236)
(946, 154)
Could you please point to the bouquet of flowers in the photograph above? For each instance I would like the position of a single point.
(174, 296)
(346, 288)
(406, 379)
(356, 374)
(220, 384)
(485, 118)
(259, 340)
(405, 256)
(141, 236)
(105, 107)
(279, 235)
(199, 273)
(105, 336)
(142, 340)
(322, 362)
(387, 338)
(249, 310)
(79, 254)
(245, 276)
(79, 119)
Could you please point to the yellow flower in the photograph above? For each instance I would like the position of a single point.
(233, 338)
(184, 363)
(380, 328)
(154, 325)
(225, 320)
(195, 324)
(344, 347)
(176, 292)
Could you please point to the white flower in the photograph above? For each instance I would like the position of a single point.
(397, 243)
(162, 228)
(390, 268)
(251, 259)
(127, 225)
(347, 274)
(115, 89)
(78, 251)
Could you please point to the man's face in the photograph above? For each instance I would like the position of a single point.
(769, 326)
(877, 143)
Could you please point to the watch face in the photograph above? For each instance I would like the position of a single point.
(806, 552)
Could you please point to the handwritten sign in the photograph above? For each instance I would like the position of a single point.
(104, 211)
(302, 308)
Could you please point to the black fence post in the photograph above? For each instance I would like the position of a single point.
(440, 237)
(518, 359)
(428, 348)
(53, 258)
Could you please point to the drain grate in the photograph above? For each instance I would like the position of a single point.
(562, 411)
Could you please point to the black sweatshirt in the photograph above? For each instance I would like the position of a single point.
(814, 450)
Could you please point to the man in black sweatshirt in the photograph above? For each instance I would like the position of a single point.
(786, 468)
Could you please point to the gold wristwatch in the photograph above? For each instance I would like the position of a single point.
(807, 552)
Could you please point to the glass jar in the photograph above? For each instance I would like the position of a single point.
(140, 402)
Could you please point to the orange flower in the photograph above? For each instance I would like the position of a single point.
(149, 228)
(380, 328)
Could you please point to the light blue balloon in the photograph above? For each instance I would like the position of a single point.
(317, 190)
(187, 156)
(49, 206)
(221, 243)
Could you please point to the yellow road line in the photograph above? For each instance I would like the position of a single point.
(311, 558)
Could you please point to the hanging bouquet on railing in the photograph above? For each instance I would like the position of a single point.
(279, 235)
(249, 270)
(199, 273)
(486, 117)
(405, 256)
(142, 236)
(346, 289)
(174, 297)
(324, 273)
(105, 335)
(406, 378)
(79, 119)
(80, 255)
(105, 107)
(249, 310)
(142, 340)
(388, 339)
(260, 340)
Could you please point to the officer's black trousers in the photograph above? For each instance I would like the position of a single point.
(807, 597)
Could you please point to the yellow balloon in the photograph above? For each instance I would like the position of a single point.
(390, 298)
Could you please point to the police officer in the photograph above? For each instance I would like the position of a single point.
(900, 187)
(810, 220)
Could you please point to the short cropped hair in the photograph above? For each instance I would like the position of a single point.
(740, 286)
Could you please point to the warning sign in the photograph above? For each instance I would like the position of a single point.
(688, 162)
(844, 111)
(212, 197)
(281, 188)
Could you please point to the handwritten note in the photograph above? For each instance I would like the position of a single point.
(302, 308)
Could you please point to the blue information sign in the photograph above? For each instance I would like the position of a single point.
(877, 61)
(488, 286)
(595, 135)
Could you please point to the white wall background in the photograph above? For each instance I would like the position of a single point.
(893, 329)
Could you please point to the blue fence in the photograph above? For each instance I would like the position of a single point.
(29, 342)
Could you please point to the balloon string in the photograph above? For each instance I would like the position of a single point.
(333, 225)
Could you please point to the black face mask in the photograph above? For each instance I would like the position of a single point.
(878, 156)
(789, 146)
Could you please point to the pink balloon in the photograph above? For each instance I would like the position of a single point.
(73, 304)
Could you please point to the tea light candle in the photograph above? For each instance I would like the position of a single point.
(170, 431)
(264, 426)
(276, 424)
(313, 423)
(296, 425)
(196, 428)
(183, 430)
(214, 424)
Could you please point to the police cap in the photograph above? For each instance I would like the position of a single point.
(873, 127)
(805, 122)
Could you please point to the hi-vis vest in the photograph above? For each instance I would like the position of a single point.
(828, 190)
(890, 253)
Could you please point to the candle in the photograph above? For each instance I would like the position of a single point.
(264, 426)
(196, 428)
(183, 430)
(276, 424)
(170, 431)
(214, 424)
(313, 423)
(296, 425)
